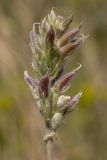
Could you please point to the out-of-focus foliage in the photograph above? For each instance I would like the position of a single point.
(84, 137)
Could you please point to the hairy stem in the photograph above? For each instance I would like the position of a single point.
(49, 145)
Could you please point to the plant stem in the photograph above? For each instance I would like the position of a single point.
(49, 145)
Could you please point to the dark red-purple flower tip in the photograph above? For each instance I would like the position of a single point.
(50, 36)
(71, 103)
(74, 100)
(44, 85)
(73, 44)
(64, 80)
(75, 31)
(70, 35)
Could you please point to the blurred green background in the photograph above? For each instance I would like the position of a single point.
(84, 133)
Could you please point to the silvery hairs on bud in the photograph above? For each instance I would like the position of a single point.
(51, 45)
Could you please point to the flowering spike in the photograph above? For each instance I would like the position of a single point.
(44, 85)
(51, 44)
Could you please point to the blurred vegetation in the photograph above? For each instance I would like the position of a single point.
(84, 134)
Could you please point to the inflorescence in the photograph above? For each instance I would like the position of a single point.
(52, 45)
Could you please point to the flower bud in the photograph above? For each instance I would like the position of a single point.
(70, 35)
(44, 85)
(31, 82)
(56, 120)
(62, 100)
(68, 48)
(75, 31)
(64, 80)
(50, 36)
(73, 101)
(33, 85)
(70, 104)
(53, 16)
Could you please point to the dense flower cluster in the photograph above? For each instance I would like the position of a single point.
(51, 45)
